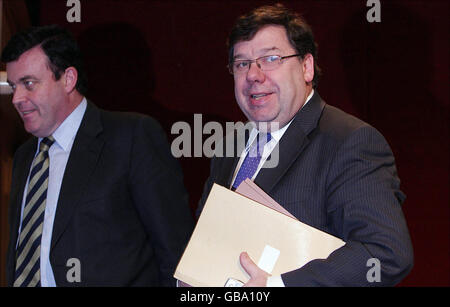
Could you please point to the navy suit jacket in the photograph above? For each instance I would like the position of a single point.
(337, 174)
(122, 210)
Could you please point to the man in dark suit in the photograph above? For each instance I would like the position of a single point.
(96, 197)
(334, 172)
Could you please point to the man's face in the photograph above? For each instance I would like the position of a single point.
(38, 97)
(276, 95)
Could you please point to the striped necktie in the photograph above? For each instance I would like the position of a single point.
(27, 272)
(251, 161)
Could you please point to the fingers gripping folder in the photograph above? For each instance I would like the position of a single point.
(248, 220)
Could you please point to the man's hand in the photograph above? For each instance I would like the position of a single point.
(258, 277)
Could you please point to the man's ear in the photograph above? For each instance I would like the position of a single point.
(70, 79)
(308, 67)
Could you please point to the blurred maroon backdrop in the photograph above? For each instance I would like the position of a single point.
(168, 59)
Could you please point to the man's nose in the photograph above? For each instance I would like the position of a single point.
(255, 74)
(18, 95)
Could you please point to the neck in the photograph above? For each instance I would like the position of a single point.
(72, 102)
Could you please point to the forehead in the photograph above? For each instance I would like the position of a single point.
(32, 62)
(269, 39)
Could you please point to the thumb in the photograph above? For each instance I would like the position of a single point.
(247, 263)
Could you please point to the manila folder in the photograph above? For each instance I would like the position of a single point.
(230, 224)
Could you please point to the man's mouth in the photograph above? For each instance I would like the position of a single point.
(25, 113)
(257, 96)
(259, 99)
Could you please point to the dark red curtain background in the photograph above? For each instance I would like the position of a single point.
(168, 59)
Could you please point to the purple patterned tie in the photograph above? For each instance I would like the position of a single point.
(251, 162)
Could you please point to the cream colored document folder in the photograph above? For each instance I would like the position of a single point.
(230, 224)
(250, 190)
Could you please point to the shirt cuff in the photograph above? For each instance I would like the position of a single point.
(275, 281)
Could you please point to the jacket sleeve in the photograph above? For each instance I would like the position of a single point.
(158, 191)
(364, 206)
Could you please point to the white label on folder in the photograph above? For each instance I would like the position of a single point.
(268, 259)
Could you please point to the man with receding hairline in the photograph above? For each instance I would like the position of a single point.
(335, 172)
(97, 187)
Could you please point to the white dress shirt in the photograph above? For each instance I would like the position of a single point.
(272, 281)
(59, 153)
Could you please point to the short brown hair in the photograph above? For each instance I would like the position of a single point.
(298, 31)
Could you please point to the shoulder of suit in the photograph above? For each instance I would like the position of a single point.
(338, 124)
(126, 119)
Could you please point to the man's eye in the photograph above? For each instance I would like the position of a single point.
(271, 58)
(241, 64)
(29, 85)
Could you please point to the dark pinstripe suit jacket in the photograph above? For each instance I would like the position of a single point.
(122, 208)
(336, 173)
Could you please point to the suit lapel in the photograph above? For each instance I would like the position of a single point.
(227, 171)
(83, 158)
(292, 144)
(239, 139)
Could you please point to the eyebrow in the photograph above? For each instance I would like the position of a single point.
(262, 51)
(27, 77)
